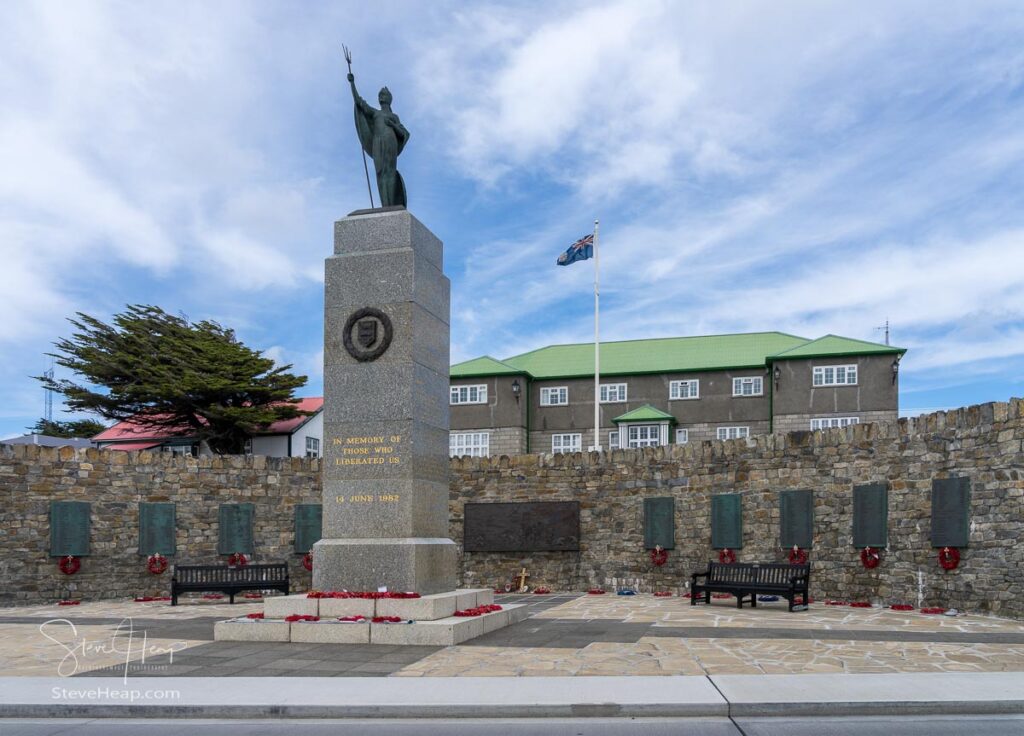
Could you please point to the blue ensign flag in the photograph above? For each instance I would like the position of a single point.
(581, 250)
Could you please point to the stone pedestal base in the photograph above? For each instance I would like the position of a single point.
(423, 565)
(424, 621)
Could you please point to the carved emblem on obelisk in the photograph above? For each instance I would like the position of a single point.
(367, 334)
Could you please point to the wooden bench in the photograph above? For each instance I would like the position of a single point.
(751, 579)
(228, 580)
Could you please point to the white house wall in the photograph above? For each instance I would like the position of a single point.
(275, 445)
(313, 428)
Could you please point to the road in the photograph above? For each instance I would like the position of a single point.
(818, 726)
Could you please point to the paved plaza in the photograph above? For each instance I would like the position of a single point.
(565, 635)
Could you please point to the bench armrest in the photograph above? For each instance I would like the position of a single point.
(700, 574)
(795, 578)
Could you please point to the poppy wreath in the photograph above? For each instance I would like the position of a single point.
(797, 556)
(307, 561)
(870, 558)
(726, 556)
(237, 559)
(659, 556)
(69, 565)
(156, 563)
(949, 558)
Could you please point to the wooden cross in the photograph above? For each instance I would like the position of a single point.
(522, 580)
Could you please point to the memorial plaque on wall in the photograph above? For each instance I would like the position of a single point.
(871, 515)
(547, 526)
(69, 528)
(727, 521)
(796, 518)
(157, 523)
(235, 532)
(660, 522)
(951, 511)
(308, 526)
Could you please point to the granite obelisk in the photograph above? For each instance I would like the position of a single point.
(386, 348)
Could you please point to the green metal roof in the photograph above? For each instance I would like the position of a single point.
(669, 355)
(659, 355)
(483, 366)
(645, 413)
(834, 345)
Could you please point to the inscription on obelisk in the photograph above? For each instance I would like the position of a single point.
(386, 348)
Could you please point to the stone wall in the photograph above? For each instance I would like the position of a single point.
(114, 483)
(784, 423)
(983, 443)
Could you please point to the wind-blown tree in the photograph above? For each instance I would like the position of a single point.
(165, 372)
(72, 428)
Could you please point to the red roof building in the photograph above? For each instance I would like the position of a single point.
(300, 436)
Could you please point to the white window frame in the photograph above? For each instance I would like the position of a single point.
(643, 435)
(613, 440)
(682, 436)
(754, 382)
(468, 394)
(474, 444)
(566, 442)
(732, 433)
(312, 447)
(684, 389)
(619, 390)
(183, 450)
(554, 396)
(833, 422)
(834, 375)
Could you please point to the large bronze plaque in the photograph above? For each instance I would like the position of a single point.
(951, 511)
(727, 521)
(309, 518)
(871, 515)
(235, 532)
(69, 528)
(547, 526)
(796, 518)
(157, 528)
(660, 522)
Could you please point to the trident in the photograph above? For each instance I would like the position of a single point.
(366, 169)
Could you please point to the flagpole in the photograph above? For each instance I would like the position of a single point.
(597, 344)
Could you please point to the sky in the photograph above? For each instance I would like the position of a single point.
(810, 168)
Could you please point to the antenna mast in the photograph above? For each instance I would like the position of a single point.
(886, 328)
(48, 405)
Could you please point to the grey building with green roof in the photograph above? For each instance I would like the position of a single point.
(670, 390)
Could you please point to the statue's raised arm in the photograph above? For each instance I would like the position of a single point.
(360, 102)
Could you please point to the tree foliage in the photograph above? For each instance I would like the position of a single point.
(193, 378)
(75, 428)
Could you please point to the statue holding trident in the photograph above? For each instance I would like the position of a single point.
(382, 136)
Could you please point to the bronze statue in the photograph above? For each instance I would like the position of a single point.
(383, 137)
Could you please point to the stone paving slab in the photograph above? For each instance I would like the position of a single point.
(516, 697)
(678, 612)
(317, 697)
(839, 695)
(655, 636)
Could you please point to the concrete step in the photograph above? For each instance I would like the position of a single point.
(446, 631)
(425, 608)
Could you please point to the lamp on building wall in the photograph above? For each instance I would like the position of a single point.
(895, 369)
(778, 374)
(516, 388)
